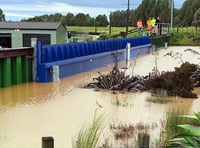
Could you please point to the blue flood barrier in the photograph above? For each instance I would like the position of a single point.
(60, 53)
(86, 49)
(72, 53)
(66, 52)
(54, 53)
(46, 55)
(73, 58)
(82, 50)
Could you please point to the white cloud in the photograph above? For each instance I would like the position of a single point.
(17, 15)
(26, 10)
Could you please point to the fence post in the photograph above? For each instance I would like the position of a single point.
(128, 48)
(47, 142)
(143, 140)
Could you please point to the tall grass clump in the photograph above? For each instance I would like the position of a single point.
(172, 120)
(169, 128)
(89, 135)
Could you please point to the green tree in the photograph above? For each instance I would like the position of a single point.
(2, 15)
(132, 18)
(196, 21)
(153, 8)
(118, 18)
(176, 18)
(68, 19)
(81, 19)
(102, 19)
(186, 15)
(45, 18)
(55, 17)
(92, 22)
(165, 10)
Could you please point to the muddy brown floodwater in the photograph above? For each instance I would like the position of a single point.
(31, 111)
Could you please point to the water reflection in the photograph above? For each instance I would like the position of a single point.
(33, 110)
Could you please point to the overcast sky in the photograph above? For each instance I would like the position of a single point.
(16, 10)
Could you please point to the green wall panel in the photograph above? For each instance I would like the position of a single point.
(7, 72)
(13, 69)
(27, 69)
(159, 42)
(16, 67)
(1, 73)
(18, 72)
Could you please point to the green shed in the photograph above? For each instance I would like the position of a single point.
(19, 34)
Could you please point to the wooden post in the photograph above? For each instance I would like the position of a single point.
(47, 142)
(143, 140)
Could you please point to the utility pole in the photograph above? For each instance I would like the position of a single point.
(110, 16)
(172, 9)
(127, 21)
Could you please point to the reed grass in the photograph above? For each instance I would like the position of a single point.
(172, 120)
(160, 96)
(89, 135)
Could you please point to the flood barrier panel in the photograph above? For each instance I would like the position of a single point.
(73, 58)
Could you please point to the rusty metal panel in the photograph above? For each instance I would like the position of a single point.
(4, 53)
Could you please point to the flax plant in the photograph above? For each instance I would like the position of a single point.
(189, 134)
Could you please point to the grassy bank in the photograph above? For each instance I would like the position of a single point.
(114, 30)
(180, 35)
(102, 30)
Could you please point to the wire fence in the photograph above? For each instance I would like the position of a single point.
(193, 30)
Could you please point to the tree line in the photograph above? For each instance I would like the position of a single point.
(187, 15)
(2, 15)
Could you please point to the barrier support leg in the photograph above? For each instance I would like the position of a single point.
(128, 48)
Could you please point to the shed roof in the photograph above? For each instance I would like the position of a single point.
(31, 25)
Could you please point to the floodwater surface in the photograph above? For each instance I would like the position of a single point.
(31, 111)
